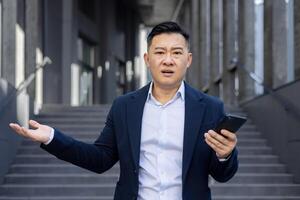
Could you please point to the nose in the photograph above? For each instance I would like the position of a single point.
(168, 60)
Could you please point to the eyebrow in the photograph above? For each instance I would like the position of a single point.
(177, 48)
(173, 48)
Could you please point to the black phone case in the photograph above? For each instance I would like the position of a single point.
(231, 123)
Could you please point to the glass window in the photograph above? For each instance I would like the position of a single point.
(86, 60)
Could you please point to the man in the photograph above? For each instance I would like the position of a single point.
(160, 134)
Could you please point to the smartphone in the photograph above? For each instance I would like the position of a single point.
(231, 123)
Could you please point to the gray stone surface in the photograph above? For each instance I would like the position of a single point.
(205, 38)
(9, 20)
(279, 39)
(216, 46)
(246, 48)
(280, 125)
(229, 52)
(195, 68)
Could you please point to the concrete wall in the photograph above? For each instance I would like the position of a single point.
(279, 126)
(16, 110)
(297, 37)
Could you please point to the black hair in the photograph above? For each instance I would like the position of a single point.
(167, 27)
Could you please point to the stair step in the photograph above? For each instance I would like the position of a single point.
(248, 135)
(47, 158)
(88, 178)
(71, 115)
(261, 178)
(54, 168)
(269, 197)
(67, 108)
(29, 143)
(252, 142)
(57, 189)
(255, 150)
(261, 168)
(36, 150)
(57, 198)
(258, 159)
(86, 120)
(256, 189)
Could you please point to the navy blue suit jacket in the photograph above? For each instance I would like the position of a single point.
(120, 141)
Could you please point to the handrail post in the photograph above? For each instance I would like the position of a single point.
(24, 84)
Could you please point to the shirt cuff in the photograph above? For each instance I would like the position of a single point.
(224, 159)
(50, 137)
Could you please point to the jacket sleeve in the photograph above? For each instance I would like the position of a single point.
(222, 171)
(97, 157)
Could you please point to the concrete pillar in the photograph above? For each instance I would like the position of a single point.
(246, 19)
(229, 50)
(216, 46)
(184, 18)
(108, 61)
(69, 48)
(52, 74)
(268, 45)
(297, 38)
(9, 21)
(194, 78)
(33, 38)
(205, 43)
(280, 45)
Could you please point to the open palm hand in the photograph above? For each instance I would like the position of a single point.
(40, 133)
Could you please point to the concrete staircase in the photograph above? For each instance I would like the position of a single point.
(36, 175)
(260, 175)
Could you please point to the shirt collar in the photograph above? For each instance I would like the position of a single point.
(180, 92)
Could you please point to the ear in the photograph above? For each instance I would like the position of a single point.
(146, 59)
(190, 58)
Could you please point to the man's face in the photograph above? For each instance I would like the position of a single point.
(168, 59)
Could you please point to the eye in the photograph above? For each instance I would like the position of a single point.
(158, 52)
(177, 52)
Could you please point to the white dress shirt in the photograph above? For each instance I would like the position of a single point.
(160, 167)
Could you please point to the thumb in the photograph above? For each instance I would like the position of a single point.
(34, 124)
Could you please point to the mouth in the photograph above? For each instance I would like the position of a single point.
(167, 72)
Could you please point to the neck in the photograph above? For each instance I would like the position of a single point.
(163, 95)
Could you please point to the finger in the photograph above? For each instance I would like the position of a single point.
(16, 128)
(228, 134)
(220, 152)
(215, 142)
(220, 138)
(34, 124)
(214, 147)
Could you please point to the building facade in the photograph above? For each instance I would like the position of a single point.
(242, 51)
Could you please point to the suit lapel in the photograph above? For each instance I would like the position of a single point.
(135, 109)
(194, 112)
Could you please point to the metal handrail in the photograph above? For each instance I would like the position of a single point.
(285, 103)
(24, 84)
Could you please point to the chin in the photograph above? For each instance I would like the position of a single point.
(168, 84)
